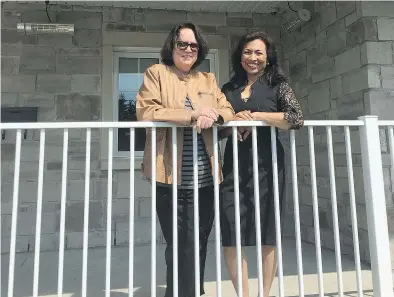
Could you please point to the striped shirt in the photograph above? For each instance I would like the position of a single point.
(204, 166)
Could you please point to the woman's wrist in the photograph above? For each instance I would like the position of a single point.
(194, 115)
(258, 116)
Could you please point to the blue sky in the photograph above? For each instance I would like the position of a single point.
(130, 82)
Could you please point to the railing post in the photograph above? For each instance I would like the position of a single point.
(376, 207)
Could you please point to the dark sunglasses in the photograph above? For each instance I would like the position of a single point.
(182, 45)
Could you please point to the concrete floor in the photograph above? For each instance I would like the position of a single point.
(119, 275)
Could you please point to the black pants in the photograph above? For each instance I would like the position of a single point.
(185, 235)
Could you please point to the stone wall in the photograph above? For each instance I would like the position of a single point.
(379, 53)
(62, 76)
(340, 64)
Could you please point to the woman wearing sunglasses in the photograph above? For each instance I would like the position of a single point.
(176, 92)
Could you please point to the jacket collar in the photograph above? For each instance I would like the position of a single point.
(182, 76)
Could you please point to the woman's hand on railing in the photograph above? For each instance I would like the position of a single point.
(205, 112)
(204, 122)
(245, 115)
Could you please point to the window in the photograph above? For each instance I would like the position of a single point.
(129, 70)
(129, 74)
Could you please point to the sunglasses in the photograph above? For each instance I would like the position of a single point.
(182, 45)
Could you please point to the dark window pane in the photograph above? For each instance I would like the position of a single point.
(128, 65)
(130, 79)
(124, 139)
(205, 66)
(147, 62)
(127, 101)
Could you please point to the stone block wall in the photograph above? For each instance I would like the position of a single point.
(339, 64)
(379, 53)
(62, 76)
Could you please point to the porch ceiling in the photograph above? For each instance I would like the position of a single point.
(213, 6)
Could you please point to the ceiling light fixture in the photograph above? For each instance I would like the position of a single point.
(42, 28)
(36, 29)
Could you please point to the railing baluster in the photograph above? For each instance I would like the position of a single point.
(315, 211)
(257, 210)
(1, 191)
(86, 214)
(391, 147)
(37, 246)
(131, 216)
(334, 208)
(153, 215)
(379, 244)
(277, 210)
(237, 213)
(196, 217)
(174, 211)
(296, 214)
(217, 213)
(62, 214)
(109, 214)
(353, 211)
(15, 203)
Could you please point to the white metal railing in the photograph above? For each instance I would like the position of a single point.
(373, 183)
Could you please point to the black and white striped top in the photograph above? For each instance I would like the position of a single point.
(204, 166)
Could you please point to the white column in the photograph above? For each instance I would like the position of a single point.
(376, 207)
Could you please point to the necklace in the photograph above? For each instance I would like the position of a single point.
(249, 84)
(245, 99)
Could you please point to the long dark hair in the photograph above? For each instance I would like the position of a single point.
(273, 73)
(168, 47)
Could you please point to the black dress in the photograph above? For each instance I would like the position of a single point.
(263, 99)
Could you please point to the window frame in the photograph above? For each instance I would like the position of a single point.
(132, 54)
(138, 53)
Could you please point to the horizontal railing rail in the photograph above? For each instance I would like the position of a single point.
(386, 123)
(103, 125)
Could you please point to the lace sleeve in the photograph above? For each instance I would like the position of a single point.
(289, 104)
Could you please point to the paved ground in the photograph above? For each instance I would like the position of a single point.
(119, 284)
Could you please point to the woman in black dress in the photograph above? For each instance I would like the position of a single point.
(257, 91)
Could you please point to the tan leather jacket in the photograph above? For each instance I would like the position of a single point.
(162, 98)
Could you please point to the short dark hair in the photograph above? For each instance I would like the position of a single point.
(168, 47)
(273, 73)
